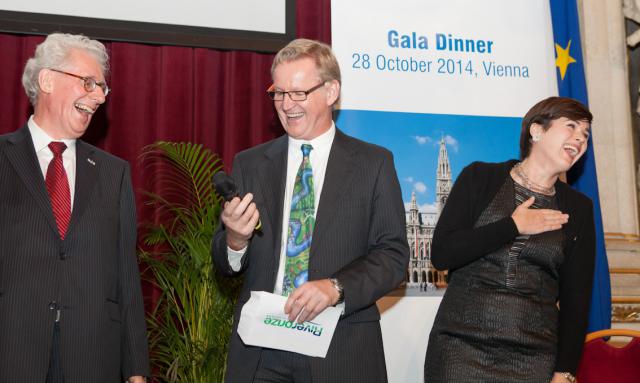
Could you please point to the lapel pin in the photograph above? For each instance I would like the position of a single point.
(92, 162)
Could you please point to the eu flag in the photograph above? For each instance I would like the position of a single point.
(571, 83)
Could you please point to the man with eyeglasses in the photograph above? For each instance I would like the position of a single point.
(332, 228)
(71, 306)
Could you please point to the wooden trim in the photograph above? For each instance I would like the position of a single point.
(625, 299)
(625, 237)
(618, 270)
(625, 313)
(612, 332)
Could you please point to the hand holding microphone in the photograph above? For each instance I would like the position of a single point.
(224, 186)
(240, 215)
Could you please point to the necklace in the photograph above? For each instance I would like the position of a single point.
(517, 169)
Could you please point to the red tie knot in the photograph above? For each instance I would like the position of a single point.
(57, 148)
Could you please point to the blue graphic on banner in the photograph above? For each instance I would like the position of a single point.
(429, 152)
(571, 83)
(414, 140)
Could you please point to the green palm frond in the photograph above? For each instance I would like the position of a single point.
(190, 325)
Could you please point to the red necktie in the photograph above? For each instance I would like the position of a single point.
(58, 188)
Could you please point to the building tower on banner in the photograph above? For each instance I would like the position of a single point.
(443, 177)
(420, 226)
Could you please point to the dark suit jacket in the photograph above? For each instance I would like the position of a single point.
(359, 238)
(92, 276)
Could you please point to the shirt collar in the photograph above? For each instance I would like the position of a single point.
(41, 139)
(321, 142)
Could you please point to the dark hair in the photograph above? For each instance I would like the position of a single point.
(545, 112)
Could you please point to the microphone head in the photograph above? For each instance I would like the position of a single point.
(224, 185)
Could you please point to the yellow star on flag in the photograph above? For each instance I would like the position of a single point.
(563, 59)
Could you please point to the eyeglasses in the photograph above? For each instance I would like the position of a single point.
(89, 83)
(294, 95)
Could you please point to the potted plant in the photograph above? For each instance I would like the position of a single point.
(192, 318)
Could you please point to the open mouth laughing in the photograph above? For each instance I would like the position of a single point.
(294, 116)
(84, 108)
(572, 150)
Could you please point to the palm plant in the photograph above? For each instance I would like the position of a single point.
(190, 324)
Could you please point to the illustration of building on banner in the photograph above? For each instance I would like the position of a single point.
(420, 225)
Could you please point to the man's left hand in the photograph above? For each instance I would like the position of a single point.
(137, 379)
(310, 299)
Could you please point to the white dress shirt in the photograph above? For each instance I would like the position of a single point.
(41, 142)
(319, 157)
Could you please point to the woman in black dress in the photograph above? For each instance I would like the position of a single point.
(519, 245)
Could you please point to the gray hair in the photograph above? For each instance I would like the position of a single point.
(53, 53)
(319, 52)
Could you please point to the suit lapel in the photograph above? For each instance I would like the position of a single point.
(22, 156)
(340, 168)
(272, 175)
(86, 176)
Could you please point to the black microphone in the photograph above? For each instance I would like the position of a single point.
(226, 187)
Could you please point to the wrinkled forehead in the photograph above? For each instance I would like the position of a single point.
(296, 74)
(304, 64)
(83, 63)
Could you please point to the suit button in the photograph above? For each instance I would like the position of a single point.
(53, 305)
(63, 255)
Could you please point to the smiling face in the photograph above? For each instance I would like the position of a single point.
(64, 107)
(562, 144)
(307, 119)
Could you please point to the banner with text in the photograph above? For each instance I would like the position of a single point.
(440, 84)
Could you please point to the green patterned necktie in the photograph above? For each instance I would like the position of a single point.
(301, 222)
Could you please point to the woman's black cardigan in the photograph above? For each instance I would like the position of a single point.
(456, 243)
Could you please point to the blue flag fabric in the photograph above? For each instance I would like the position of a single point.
(571, 83)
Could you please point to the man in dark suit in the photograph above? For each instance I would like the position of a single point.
(71, 307)
(332, 228)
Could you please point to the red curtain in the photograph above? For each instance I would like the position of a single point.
(206, 96)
